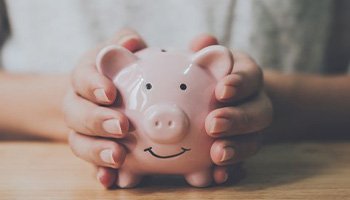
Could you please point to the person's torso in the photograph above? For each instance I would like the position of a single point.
(49, 36)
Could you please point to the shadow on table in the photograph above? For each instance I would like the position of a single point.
(281, 164)
(275, 165)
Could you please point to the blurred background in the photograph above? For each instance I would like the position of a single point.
(289, 35)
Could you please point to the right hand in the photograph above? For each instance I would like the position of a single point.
(91, 122)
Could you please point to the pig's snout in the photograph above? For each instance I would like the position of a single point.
(165, 123)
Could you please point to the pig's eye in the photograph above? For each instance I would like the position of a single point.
(183, 86)
(148, 86)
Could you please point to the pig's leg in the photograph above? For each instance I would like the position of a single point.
(127, 179)
(201, 178)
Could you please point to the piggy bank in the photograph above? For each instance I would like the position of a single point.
(166, 95)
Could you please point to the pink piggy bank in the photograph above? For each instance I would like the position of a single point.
(166, 96)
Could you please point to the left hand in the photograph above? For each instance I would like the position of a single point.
(248, 111)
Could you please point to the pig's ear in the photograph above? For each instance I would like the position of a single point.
(112, 59)
(216, 59)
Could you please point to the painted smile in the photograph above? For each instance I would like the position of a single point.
(149, 149)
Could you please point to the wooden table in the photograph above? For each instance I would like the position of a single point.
(313, 170)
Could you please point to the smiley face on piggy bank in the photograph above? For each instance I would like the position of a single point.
(166, 96)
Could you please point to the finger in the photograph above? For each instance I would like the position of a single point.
(106, 176)
(100, 152)
(229, 151)
(221, 174)
(90, 119)
(90, 84)
(202, 41)
(228, 173)
(246, 80)
(248, 117)
(129, 39)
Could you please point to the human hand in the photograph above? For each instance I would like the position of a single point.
(82, 145)
(247, 110)
(92, 124)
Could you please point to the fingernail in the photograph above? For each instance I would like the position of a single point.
(227, 154)
(126, 38)
(227, 92)
(107, 156)
(234, 80)
(219, 125)
(112, 126)
(101, 95)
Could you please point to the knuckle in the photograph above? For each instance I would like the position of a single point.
(96, 147)
(92, 122)
(243, 118)
(84, 80)
(72, 141)
(244, 122)
(66, 108)
(71, 137)
(74, 78)
(243, 56)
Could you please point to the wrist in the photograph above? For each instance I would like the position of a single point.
(281, 88)
(31, 105)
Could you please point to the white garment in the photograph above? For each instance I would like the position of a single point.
(50, 35)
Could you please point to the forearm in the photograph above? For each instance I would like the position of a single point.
(309, 106)
(31, 105)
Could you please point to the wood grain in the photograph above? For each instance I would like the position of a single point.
(313, 170)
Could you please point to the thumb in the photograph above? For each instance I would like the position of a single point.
(129, 39)
(202, 41)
